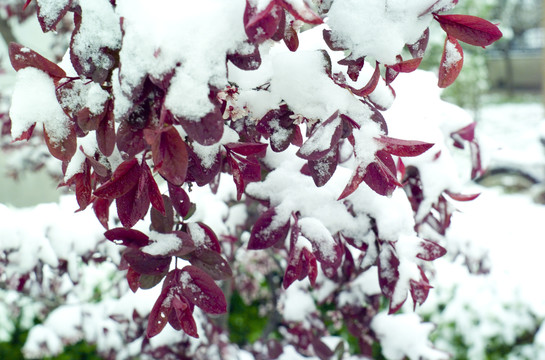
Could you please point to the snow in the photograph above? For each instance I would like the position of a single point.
(34, 100)
(384, 26)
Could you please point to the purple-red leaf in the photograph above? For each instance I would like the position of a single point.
(144, 263)
(380, 175)
(406, 66)
(399, 147)
(354, 66)
(469, 29)
(462, 197)
(128, 237)
(180, 200)
(452, 61)
(203, 237)
(22, 57)
(268, 230)
(159, 314)
(323, 169)
(124, 178)
(246, 149)
(418, 49)
(301, 11)
(326, 135)
(170, 155)
(54, 13)
(371, 84)
(262, 25)
(212, 263)
(62, 149)
(200, 289)
(430, 250)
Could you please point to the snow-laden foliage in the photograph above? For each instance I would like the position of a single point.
(152, 100)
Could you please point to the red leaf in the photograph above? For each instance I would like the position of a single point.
(180, 200)
(406, 66)
(187, 246)
(466, 133)
(462, 197)
(246, 149)
(323, 169)
(418, 49)
(105, 134)
(325, 136)
(133, 205)
(200, 289)
(452, 61)
(182, 316)
(124, 178)
(260, 26)
(209, 129)
(420, 289)
(371, 84)
(354, 66)
(63, 149)
(163, 223)
(128, 237)
(355, 180)
(155, 196)
(101, 207)
(22, 57)
(380, 175)
(302, 12)
(312, 265)
(53, 15)
(206, 240)
(133, 278)
(469, 29)
(399, 147)
(268, 230)
(159, 314)
(430, 250)
(144, 263)
(212, 263)
(26, 134)
(290, 38)
(331, 43)
(130, 141)
(170, 156)
(246, 61)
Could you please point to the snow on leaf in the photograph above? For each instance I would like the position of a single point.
(452, 61)
(469, 29)
(326, 135)
(63, 149)
(406, 66)
(200, 289)
(301, 11)
(430, 250)
(127, 237)
(22, 57)
(418, 49)
(50, 12)
(268, 230)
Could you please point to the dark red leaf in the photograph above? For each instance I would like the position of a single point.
(130, 141)
(290, 38)
(418, 49)
(187, 245)
(212, 263)
(206, 240)
(62, 149)
(406, 66)
(128, 237)
(325, 136)
(133, 205)
(124, 178)
(27, 133)
(466, 133)
(144, 263)
(321, 349)
(371, 84)
(469, 29)
(462, 197)
(355, 180)
(380, 175)
(209, 129)
(155, 196)
(52, 16)
(262, 25)
(101, 207)
(246, 61)
(331, 43)
(170, 156)
(133, 278)
(268, 230)
(159, 314)
(323, 169)
(399, 147)
(182, 316)
(200, 289)
(390, 75)
(420, 289)
(430, 250)
(246, 149)
(105, 133)
(312, 265)
(452, 61)
(303, 13)
(180, 200)
(354, 66)
(388, 272)
(163, 222)
(22, 57)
